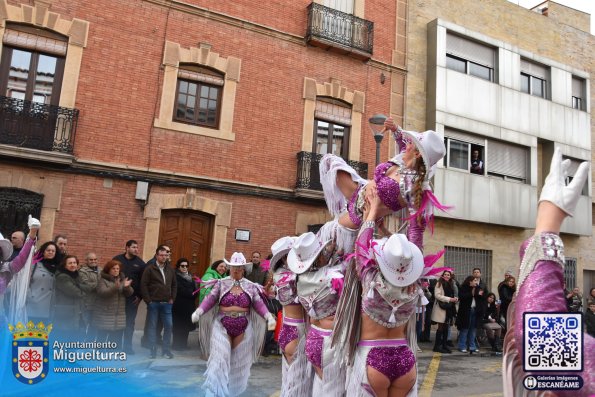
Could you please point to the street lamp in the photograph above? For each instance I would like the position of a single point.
(376, 123)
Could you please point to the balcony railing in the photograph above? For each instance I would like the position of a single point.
(327, 26)
(37, 126)
(308, 175)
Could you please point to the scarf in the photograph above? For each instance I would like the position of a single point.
(185, 276)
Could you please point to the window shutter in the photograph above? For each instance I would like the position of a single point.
(534, 69)
(201, 77)
(329, 111)
(34, 42)
(461, 136)
(507, 159)
(470, 50)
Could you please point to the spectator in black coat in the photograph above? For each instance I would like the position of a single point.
(590, 318)
(183, 306)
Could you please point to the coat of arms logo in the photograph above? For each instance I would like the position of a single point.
(30, 351)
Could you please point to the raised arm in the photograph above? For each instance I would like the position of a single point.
(211, 299)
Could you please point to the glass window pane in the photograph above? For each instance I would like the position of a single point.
(192, 87)
(525, 83)
(456, 64)
(338, 134)
(190, 114)
(191, 103)
(204, 91)
(183, 87)
(321, 136)
(480, 71)
(212, 105)
(18, 74)
(44, 79)
(203, 103)
(213, 93)
(459, 155)
(537, 87)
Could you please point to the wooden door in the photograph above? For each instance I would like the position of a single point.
(189, 235)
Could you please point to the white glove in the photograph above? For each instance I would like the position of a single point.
(196, 315)
(554, 189)
(271, 322)
(33, 223)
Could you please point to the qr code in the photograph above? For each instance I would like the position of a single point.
(553, 342)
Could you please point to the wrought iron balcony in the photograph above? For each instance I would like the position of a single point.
(308, 175)
(37, 126)
(332, 29)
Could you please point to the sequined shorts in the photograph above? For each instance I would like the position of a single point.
(234, 325)
(391, 357)
(289, 331)
(314, 343)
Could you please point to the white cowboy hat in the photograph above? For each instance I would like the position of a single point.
(305, 250)
(6, 247)
(280, 248)
(401, 262)
(430, 146)
(237, 259)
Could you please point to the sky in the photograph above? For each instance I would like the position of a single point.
(587, 6)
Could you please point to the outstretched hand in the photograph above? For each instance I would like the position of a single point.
(555, 190)
(557, 201)
(33, 224)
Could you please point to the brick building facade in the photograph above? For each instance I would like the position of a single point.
(143, 160)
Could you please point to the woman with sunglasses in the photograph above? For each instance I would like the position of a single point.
(183, 306)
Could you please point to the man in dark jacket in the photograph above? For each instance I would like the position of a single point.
(158, 288)
(132, 267)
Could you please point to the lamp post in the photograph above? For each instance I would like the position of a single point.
(376, 123)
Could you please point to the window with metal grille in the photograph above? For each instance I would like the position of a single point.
(534, 78)
(570, 272)
(470, 57)
(198, 94)
(463, 260)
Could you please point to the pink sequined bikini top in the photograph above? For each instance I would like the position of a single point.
(241, 300)
(388, 188)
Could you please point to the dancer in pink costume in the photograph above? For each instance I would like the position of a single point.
(381, 337)
(11, 269)
(541, 278)
(402, 182)
(230, 333)
(292, 338)
(320, 267)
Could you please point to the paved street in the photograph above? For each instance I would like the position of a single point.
(439, 375)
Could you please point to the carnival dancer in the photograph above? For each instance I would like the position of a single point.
(231, 334)
(389, 270)
(402, 182)
(540, 281)
(292, 337)
(319, 286)
(10, 269)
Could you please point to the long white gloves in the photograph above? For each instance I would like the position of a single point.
(196, 315)
(271, 322)
(554, 189)
(33, 223)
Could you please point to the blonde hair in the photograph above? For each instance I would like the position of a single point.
(418, 188)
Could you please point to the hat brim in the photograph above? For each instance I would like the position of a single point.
(275, 258)
(299, 266)
(411, 275)
(424, 156)
(233, 264)
(7, 248)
